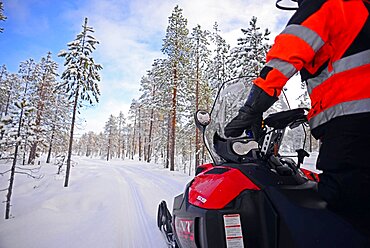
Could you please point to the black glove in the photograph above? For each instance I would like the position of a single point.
(250, 115)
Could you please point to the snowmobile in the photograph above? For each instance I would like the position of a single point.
(251, 196)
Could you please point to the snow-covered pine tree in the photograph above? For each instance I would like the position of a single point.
(2, 16)
(248, 58)
(134, 118)
(19, 124)
(121, 121)
(157, 91)
(218, 70)
(3, 89)
(111, 134)
(81, 76)
(27, 71)
(45, 73)
(147, 112)
(161, 77)
(100, 141)
(176, 47)
(200, 55)
(57, 121)
(92, 148)
(11, 90)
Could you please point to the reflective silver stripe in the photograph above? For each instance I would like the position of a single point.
(316, 81)
(347, 63)
(353, 61)
(284, 67)
(306, 34)
(345, 108)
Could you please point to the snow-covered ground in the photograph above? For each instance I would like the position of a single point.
(107, 205)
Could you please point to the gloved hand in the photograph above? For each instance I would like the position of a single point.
(250, 115)
(245, 120)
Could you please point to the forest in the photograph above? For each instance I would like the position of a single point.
(37, 105)
(39, 109)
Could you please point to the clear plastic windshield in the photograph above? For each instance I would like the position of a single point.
(231, 97)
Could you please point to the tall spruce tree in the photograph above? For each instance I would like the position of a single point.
(45, 73)
(81, 76)
(148, 88)
(176, 47)
(248, 58)
(121, 121)
(57, 122)
(200, 58)
(218, 70)
(134, 117)
(19, 125)
(4, 90)
(111, 133)
(155, 95)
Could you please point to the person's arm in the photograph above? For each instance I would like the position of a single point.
(296, 46)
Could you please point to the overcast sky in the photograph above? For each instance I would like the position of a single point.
(130, 34)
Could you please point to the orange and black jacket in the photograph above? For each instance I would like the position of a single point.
(328, 41)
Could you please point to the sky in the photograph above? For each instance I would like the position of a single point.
(130, 33)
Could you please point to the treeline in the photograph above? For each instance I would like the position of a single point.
(159, 126)
(34, 111)
(38, 107)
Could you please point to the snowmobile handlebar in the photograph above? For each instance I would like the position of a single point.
(275, 126)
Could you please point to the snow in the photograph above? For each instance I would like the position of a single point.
(107, 204)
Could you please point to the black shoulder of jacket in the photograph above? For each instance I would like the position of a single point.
(305, 10)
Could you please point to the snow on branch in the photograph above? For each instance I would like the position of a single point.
(3, 173)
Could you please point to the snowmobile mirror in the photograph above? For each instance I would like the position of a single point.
(202, 119)
(286, 4)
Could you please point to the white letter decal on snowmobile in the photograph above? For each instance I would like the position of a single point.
(201, 199)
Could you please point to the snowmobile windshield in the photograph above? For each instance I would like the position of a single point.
(231, 96)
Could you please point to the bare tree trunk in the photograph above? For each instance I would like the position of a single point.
(108, 152)
(11, 182)
(12, 170)
(123, 148)
(173, 120)
(139, 131)
(145, 152)
(50, 146)
(32, 155)
(150, 136)
(133, 139)
(151, 128)
(128, 151)
(167, 164)
(71, 137)
(40, 109)
(24, 153)
(197, 144)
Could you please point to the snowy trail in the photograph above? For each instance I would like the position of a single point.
(142, 189)
(141, 234)
(107, 205)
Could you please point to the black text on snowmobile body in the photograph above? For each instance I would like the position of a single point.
(251, 196)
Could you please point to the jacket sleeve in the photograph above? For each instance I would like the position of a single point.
(296, 46)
